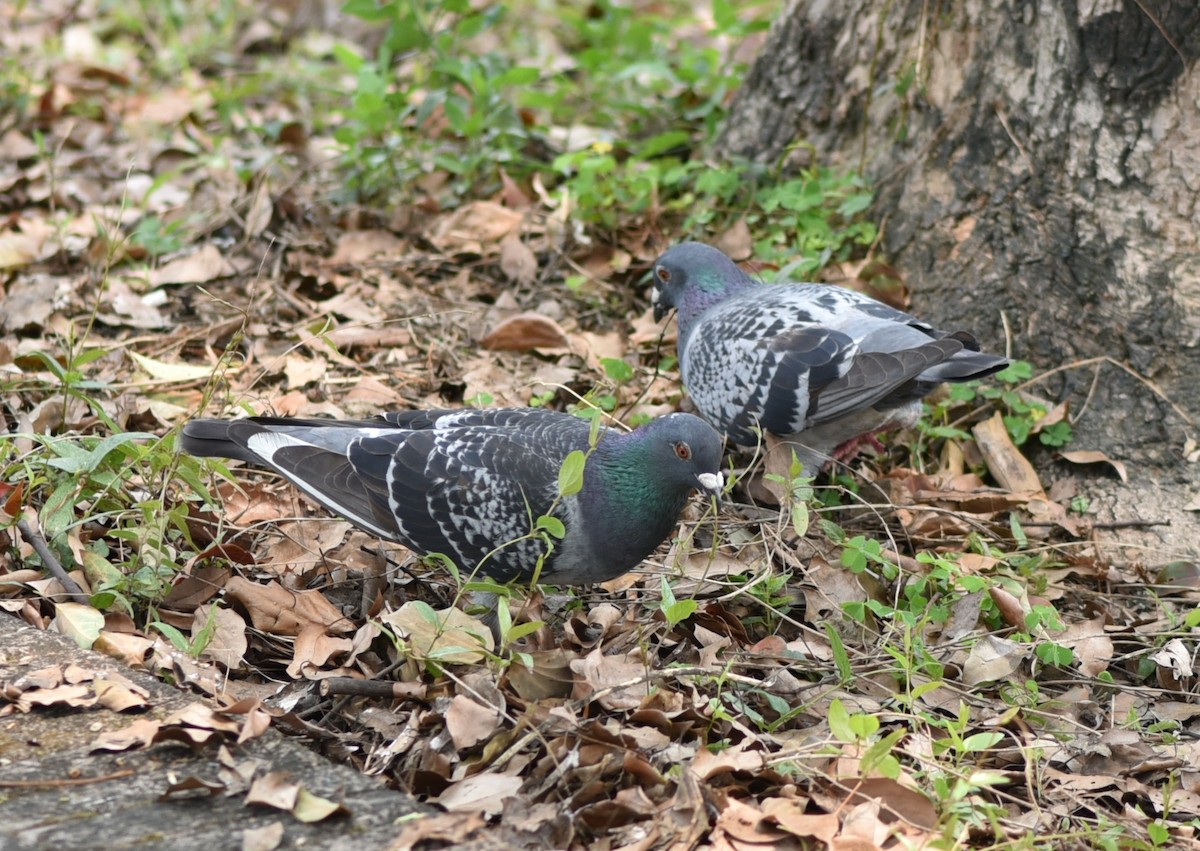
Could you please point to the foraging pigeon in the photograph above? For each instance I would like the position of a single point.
(818, 364)
(471, 483)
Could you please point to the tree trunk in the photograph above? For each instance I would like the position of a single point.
(1037, 166)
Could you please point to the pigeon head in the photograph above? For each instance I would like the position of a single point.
(636, 485)
(685, 451)
(692, 276)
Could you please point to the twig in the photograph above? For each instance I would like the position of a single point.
(1130, 524)
(50, 562)
(370, 688)
(72, 781)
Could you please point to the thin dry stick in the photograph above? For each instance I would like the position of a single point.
(50, 562)
(68, 781)
(368, 688)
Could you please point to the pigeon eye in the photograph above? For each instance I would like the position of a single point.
(664, 275)
(683, 451)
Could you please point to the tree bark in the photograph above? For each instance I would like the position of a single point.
(1037, 165)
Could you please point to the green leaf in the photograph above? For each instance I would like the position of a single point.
(617, 369)
(663, 142)
(1055, 654)
(980, 742)
(552, 526)
(675, 611)
(839, 722)
(800, 518)
(570, 474)
(841, 658)
(178, 639)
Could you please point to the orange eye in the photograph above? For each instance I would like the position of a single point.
(683, 451)
(664, 275)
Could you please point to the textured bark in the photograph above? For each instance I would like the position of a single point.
(1039, 174)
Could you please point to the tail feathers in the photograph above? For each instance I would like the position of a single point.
(965, 366)
(213, 439)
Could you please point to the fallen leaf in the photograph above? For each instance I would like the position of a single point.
(274, 789)
(79, 622)
(470, 722)
(278, 610)
(618, 682)
(200, 267)
(449, 636)
(1092, 456)
(991, 659)
(524, 332)
(517, 262)
(484, 792)
(1011, 469)
(172, 373)
(310, 808)
(139, 734)
(118, 694)
(357, 247)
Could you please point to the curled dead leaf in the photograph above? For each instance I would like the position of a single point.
(1094, 456)
(524, 332)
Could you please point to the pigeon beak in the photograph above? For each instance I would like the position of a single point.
(713, 484)
(660, 310)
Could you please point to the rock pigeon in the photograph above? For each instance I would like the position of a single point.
(470, 484)
(819, 365)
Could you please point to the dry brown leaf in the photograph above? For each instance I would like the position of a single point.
(469, 722)
(911, 805)
(250, 504)
(277, 610)
(1009, 606)
(448, 636)
(132, 309)
(525, 332)
(484, 792)
(29, 240)
(1004, 460)
(262, 208)
(648, 331)
(30, 300)
(708, 765)
(437, 830)
(77, 696)
(186, 785)
(140, 734)
(619, 681)
(131, 649)
(314, 649)
(1092, 647)
(229, 643)
(517, 261)
(120, 695)
(474, 225)
(199, 267)
(299, 370)
(789, 814)
(1092, 456)
(369, 396)
(275, 789)
(549, 677)
(15, 145)
(992, 659)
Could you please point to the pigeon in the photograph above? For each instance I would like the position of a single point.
(470, 484)
(818, 365)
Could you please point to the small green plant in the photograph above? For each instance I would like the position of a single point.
(799, 492)
(675, 611)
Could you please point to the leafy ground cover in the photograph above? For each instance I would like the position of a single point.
(231, 207)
